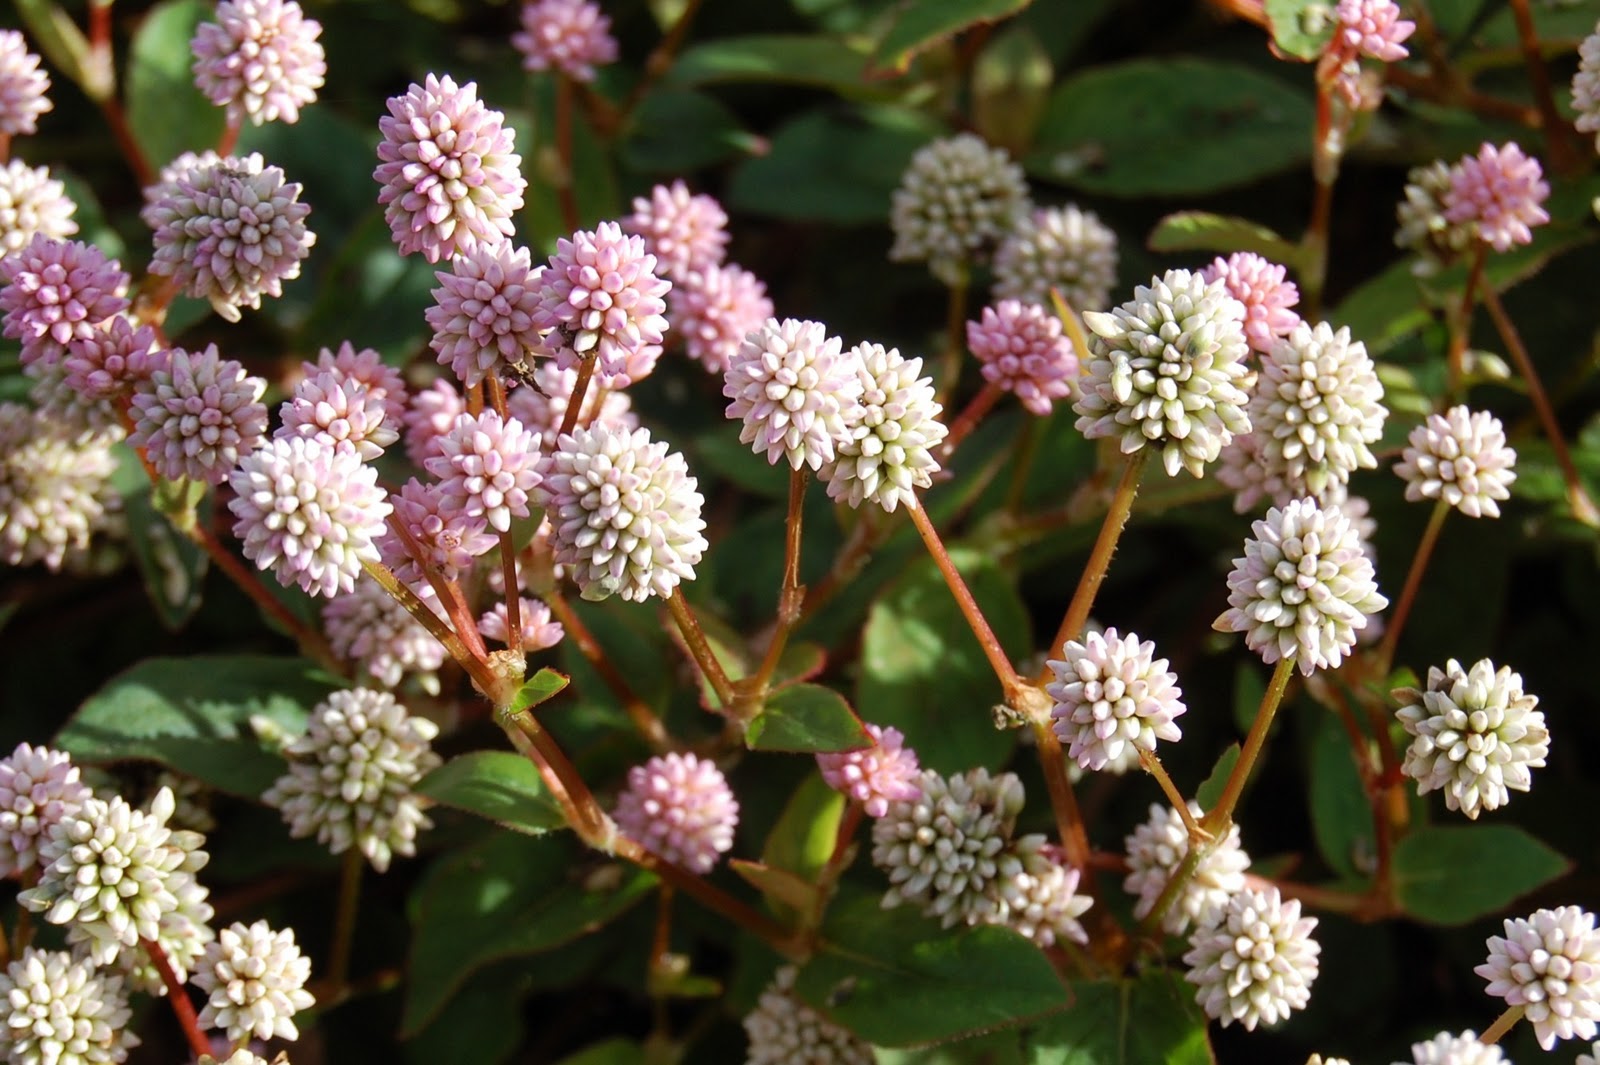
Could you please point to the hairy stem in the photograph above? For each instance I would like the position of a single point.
(513, 596)
(1408, 593)
(699, 648)
(1502, 1024)
(791, 594)
(1314, 243)
(178, 996)
(1153, 766)
(475, 666)
(1220, 816)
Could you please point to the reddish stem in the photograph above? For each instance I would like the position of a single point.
(580, 389)
(565, 192)
(973, 413)
(178, 995)
(312, 643)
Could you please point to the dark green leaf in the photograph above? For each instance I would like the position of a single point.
(1385, 310)
(482, 1024)
(1210, 789)
(1170, 127)
(500, 785)
(825, 62)
(193, 715)
(1204, 231)
(541, 687)
(610, 1052)
(507, 897)
(1340, 814)
(923, 672)
(1459, 873)
(171, 566)
(166, 113)
(920, 26)
(1143, 1021)
(896, 979)
(679, 130)
(997, 1048)
(1301, 28)
(721, 452)
(806, 718)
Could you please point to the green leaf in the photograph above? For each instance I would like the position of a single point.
(802, 840)
(1459, 873)
(610, 1052)
(998, 1048)
(721, 452)
(193, 715)
(1204, 231)
(1170, 127)
(895, 979)
(167, 115)
(1301, 28)
(1210, 789)
(1340, 815)
(920, 26)
(678, 130)
(507, 897)
(806, 718)
(539, 688)
(483, 1024)
(823, 62)
(923, 672)
(500, 785)
(172, 567)
(1384, 310)
(1149, 1019)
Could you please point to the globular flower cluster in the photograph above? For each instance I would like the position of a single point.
(1423, 227)
(1156, 849)
(570, 36)
(32, 203)
(785, 1031)
(1316, 409)
(309, 511)
(483, 313)
(56, 291)
(108, 364)
(686, 233)
(1040, 896)
(56, 1009)
(1549, 963)
(1477, 735)
(23, 85)
(431, 413)
(600, 298)
(1363, 28)
(365, 367)
(260, 59)
(543, 406)
(55, 487)
(679, 806)
(956, 200)
(1111, 692)
(714, 309)
(1063, 250)
(38, 787)
(1166, 370)
(1256, 961)
(370, 628)
(624, 513)
(1463, 1049)
(1461, 457)
(443, 536)
(486, 467)
(449, 171)
(891, 433)
(1264, 289)
(350, 776)
(877, 775)
(1304, 587)
(793, 389)
(231, 232)
(1500, 191)
(197, 415)
(539, 632)
(1021, 349)
(254, 978)
(339, 409)
(1586, 86)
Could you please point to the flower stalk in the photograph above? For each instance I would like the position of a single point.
(1408, 593)
(1220, 816)
(700, 648)
(178, 996)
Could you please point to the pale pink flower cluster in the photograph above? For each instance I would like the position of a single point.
(539, 632)
(444, 538)
(1461, 457)
(432, 413)
(792, 387)
(260, 59)
(55, 488)
(32, 203)
(23, 85)
(1264, 289)
(366, 367)
(486, 467)
(714, 309)
(344, 411)
(1256, 961)
(197, 415)
(56, 291)
(38, 787)
(1549, 963)
(571, 36)
(112, 361)
(684, 232)
(679, 806)
(1022, 350)
(1501, 191)
(369, 628)
(600, 298)
(884, 772)
(1363, 28)
(1111, 692)
(891, 432)
(483, 313)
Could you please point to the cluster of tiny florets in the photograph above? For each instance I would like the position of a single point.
(539, 632)
(1304, 587)
(254, 978)
(32, 203)
(624, 513)
(56, 291)
(365, 366)
(23, 85)
(1063, 250)
(1586, 86)
(1423, 227)
(341, 410)
(679, 806)
(1021, 348)
(1112, 692)
(600, 298)
(1499, 190)
(1156, 849)
(197, 415)
(38, 787)
(957, 199)
(714, 309)
(1373, 28)
(1264, 289)
(231, 232)
(440, 534)
(891, 434)
(449, 171)
(110, 363)
(56, 1009)
(1256, 961)
(483, 313)
(571, 36)
(55, 487)
(1476, 735)
(486, 467)
(785, 1031)
(1040, 896)
(430, 413)
(309, 511)
(260, 59)
(350, 776)
(368, 627)
(685, 232)
(875, 776)
(1463, 1049)
(1549, 963)
(793, 389)
(1461, 457)
(1165, 370)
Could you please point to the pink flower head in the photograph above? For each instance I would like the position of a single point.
(112, 360)
(449, 169)
(366, 367)
(447, 539)
(683, 232)
(1023, 350)
(601, 293)
(1500, 189)
(543, 405)
(794, 390)
(572, 36)
(483, 315)
(1266, 294)
(260, 59)
(32, 203)
(877, 775)
(714, 309)
(539, 633)
(22, 86)
(432, 413)
(487, 468)
(342, 411)
(369, 628)
(680, 807)
(1373, 28)
(197, 414)
(54, 291)
(38, 787)
(309, 511)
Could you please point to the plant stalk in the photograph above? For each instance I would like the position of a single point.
(1408, 593)
(1219, 817)
(580, 390)
(791, 594)
(699, 648)
(1502, 1024)
(178, 996)
(344, 925)
(644, 719)
(1063, 802)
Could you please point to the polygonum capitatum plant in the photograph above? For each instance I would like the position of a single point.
(720, 514)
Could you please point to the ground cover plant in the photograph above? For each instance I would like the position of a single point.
(822, 531)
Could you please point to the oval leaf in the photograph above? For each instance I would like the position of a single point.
(825, 62)
(920, 26)
(541, 687)
(806, 718)
(499, 785)
(1152, 1018)
(1204, 231)
(1460, 873)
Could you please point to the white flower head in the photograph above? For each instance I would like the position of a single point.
(1256, 962)
(1549, 963)
(255, 980)
(1111, 692)
(57, 1010)
(1460, 457)
(893, 431)
(794, 391)
(1156, 849)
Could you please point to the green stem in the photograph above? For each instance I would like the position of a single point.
(1408, 594)
(1503, 1024)
(1220, 816)
(699, 648)
(344, 925)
